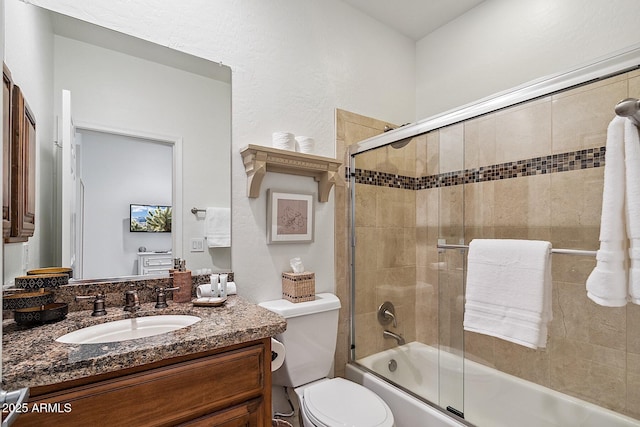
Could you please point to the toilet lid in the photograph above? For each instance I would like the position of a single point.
(339, 402)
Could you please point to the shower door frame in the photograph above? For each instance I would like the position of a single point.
(602, 68)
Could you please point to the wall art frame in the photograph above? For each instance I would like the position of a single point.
(290, 217)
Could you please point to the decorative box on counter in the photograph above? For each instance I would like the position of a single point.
(182, 280)
(299, 287)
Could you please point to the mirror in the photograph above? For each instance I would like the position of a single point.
(152, 127)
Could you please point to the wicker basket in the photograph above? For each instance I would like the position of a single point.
(299, 287)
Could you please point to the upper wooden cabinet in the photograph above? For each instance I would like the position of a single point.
(7, 88)
(22, 176)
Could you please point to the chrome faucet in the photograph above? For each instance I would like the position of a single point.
(131, 300)
(389, 334)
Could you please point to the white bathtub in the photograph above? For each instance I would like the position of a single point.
(490, 398)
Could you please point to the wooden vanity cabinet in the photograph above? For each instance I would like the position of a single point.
(230, 388)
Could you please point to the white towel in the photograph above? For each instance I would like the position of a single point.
(217, 227)
(508, 292)
(632, 175)
(615, 279)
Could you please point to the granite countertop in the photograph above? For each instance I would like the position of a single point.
(32, 357)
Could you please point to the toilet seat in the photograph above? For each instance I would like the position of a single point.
(339, 402)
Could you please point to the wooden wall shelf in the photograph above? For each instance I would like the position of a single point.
(259, 160)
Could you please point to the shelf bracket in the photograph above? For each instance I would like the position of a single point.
(259, 160)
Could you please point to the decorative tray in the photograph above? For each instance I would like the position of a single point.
(209, 302)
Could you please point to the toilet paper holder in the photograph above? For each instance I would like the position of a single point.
(277, 354)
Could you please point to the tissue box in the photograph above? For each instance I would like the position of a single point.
(299, 287)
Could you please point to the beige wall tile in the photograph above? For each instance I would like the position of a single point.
(421, 155)
(480, 348)
(366, 205)
(433, 153)
(589, 372)
(523, 132)
(479, 209)
(451, 148)
(451, 213)
(581, 116)
(523, 202)
(576, 198)
(480, 142)
(391, 207)
(633, 330)
(634, 84)
(523, 362)
(587, 322)
(633, 396)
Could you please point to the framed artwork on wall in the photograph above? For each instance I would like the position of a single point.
(290, 217)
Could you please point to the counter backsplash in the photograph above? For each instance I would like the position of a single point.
(113, 291)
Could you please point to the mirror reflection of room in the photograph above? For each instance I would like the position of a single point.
(139, 112)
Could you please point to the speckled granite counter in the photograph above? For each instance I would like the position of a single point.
(32, 357)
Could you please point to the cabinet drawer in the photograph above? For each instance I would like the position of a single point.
(157, 262)
(162, 396)
(247, 414)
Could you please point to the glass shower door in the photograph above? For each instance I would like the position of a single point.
(451, 263)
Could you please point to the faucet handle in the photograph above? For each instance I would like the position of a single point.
(131, 300)
(387, 314)
(98, 303)
(161, 296)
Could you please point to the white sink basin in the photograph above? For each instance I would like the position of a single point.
(128, 329)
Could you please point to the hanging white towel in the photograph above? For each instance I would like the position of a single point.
(632, 175)
(616, 276)
(217, 227)
(508, 290)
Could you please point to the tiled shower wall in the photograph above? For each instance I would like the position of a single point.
(532, 171)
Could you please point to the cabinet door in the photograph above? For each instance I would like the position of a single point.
(23, 169)
(7, 87)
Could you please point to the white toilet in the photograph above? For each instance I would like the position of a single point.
(310, 343)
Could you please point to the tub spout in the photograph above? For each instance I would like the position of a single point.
(389, 334)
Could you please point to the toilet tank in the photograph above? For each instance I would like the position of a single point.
(310, 338)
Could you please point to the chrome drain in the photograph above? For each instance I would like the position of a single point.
(393, 365)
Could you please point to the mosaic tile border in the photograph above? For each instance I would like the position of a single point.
(554, 163)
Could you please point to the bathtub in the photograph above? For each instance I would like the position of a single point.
(488, 398)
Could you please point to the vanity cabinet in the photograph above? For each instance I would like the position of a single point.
(154, 262)
(228, 387)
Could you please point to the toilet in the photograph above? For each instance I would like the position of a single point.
(310, 343)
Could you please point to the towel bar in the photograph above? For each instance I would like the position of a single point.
(553, 251)
(629, 107)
